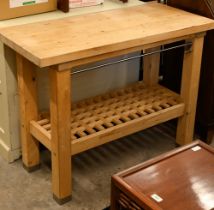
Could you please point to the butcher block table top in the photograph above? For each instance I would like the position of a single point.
(58, 41)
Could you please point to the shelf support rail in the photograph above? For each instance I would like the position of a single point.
(187, 46)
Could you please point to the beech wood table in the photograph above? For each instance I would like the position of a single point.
(179, 179)
(63, 44)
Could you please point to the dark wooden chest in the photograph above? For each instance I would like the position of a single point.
(179, 180)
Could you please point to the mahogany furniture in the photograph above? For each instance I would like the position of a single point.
(171, 79)
(73, 128)
(63, 5)
(180, 179)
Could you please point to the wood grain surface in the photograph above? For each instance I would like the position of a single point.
(183, 178)
(104, 118)
(59, 41)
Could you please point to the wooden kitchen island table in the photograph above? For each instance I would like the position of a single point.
(63, 44)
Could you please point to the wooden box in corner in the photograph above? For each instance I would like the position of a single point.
(17, 8)
(179, 180)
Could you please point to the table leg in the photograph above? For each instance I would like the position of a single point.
(189, 90)
(60, 110)
(151, 65)
(28, 110)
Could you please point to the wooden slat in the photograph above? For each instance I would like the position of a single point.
(101, 33)
(28, 111)
(80, 145)
(107, 117)
(189, 91)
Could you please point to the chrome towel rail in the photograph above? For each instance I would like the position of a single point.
(188, 45)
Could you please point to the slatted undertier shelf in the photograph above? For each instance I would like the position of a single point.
(107, 117)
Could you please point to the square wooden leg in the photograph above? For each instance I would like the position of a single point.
(28, 111)
(60, 109)
(151, 66)
(189, 90)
